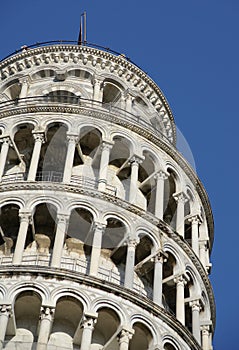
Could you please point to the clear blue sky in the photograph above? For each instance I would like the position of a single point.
(190, 49)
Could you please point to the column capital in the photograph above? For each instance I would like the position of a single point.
(107, 144)
(205, 329)
(135, 159)
(6, 310)
(62, 218)
(132, 242)
(47, 312)
(72, 138)
(161, 256)
(39, 136)
(97, 80)
(203, 243)
(195, 305)
(181, 197)
(88, 321)
(99, 226)
(181, 280)
(24, 80)
(25, 216)
(5, 140)
(161, 175)
(195, 219)
(125, 335)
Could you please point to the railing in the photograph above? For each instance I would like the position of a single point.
(49, 176)
(74, 264)
(111, 108)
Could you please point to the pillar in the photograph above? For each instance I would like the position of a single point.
(158, 277)
(202, 252)
(124, 338)
(88, 327)
(59, 240)
(128, 101)
(72, 140)
(24, 81)
(180, 307)
(3, 156)
(5, 313)
(181, 199)
(21, 237)
(96, 248)
(97, 90)
(160, 178)
(104, 161)
(39, 140)
(135, 161)
(195, 305)
(46, 320)
(130, 262)
(195, 221)
(205, 329)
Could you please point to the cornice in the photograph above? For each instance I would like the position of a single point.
(25, 186)
(108, 287)
(84, 55)
(150, 135)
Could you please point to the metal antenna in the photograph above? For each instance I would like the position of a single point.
(82, 32)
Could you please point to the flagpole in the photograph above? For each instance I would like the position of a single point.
(84, 27)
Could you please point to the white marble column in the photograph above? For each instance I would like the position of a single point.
(181, 199)
(180, 281)
(88, 327)
(135, 161)
(3, 155)
(195, 305)
(159, 259)
(72, 139)
(104, 161)
(5, 313)
(195, 221)
(128, 98)
(97, 90)
(160, 178)
(61, 229)
(205, 329)
(46, 320)
(39, 140)
(124, 338)
(24, 81)
(99, 229)
(25, 218)
(202, 251)
(130, 262)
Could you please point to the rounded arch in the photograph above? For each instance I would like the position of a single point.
(44, 199)
(125, 137)
(145, 335)
(144, 231)
(119, 309)
(81, 203)
(169, 343)
(20, 202)
(81, 296)
(21, 123)
(195, 288)
(38, 288)
(168, 248)
(96, 125)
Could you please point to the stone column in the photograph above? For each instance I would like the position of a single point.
(130, 262)
(97, 90)
(96, 247)
(25, 218)
(4, 152)
(195, 221)
(62, 221)
(5, 313)
(128, 102)
(202, 252)
(195, 305)
(39, 140)
(46, 320)
(135, 161)
(124, 338)
(205, 337)
(181, 199)
(180, 306)
(159, 259)
(88, 327)
(24, 81)
(104, 161)
(72, 139)
(160, 178)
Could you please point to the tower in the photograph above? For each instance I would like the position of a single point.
(106, 231)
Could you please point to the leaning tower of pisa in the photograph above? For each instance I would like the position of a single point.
(105, 229)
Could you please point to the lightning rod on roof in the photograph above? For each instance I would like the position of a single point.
(82, 31)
